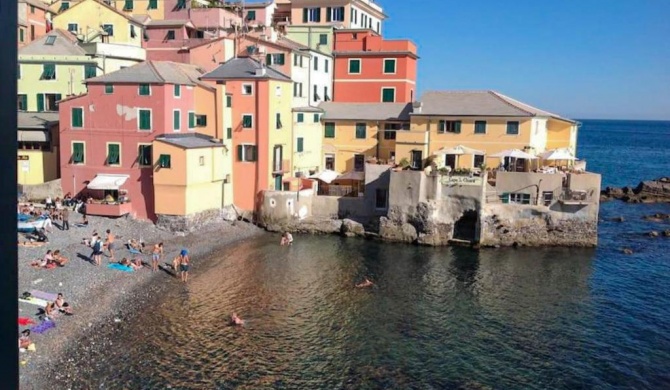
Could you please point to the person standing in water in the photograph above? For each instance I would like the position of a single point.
(184, 265)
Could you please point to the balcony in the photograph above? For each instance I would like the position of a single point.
(108, 209)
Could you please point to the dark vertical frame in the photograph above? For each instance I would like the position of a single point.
(9, 370)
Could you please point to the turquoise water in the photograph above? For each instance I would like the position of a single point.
(437, 318)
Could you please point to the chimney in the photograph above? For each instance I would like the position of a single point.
(416, 107)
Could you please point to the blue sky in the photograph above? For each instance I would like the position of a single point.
(580, 58)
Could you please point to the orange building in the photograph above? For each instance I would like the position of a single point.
(34, 21)
(371, 69)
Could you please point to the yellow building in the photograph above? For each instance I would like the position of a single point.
(280, 131)
(189, 177)
(37, 147)
(356, 132)
(483, 120)
(308, 140)
(95, 21)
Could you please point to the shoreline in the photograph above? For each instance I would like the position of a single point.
(99, 295)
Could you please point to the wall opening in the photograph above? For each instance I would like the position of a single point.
(466, 226)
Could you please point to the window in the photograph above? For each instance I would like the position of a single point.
(416, 159)
(381, 198)
(389, 66)
(201, 120)
(191, 120)
(278, 124)
(323, 39)
(247, 121)
(311, 15)
(145, 90)
(301, 64)
(377, 28)
(295, 89)
(354, 66)
(171, 35)
(109, 89)
(301, 118)
(316, 63)
(359, 162)
(48, 71)
(480, 127)
(229, 101)
(547, 197)
(353, 15)
(22, 102)
(388, 95)
(325, 94)
(109, 29)
(113, 154)
(335, 14)
(449, 127)
(73, 27)
(181, 4)
(51, 39)
(78, 153)
(516, 197)
(32, 9)
(251, 15)
(144, 155)
(478, 161)
(90, 71)
(513, 128)
(389, 134)
(316, 118)
(295, 60)
(48, 101)
(246, 153)
(153, 4)
(361, 130)
(316, 93)
(133, 33)
(18, 72)
(247, 89)
(176, 120)
(201, 161)
(128, 6)
(144, 119)
(164, 161)
(177, 90)
(229, 133)
(330, 130)
(21, 35)
(325, 65)
(77, 117)
(275, 59)
(301, 145)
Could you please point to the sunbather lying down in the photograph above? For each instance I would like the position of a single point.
(135, 245)
(29, 243)
(134, 264)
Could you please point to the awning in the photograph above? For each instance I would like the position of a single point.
(326, 176)
(33, 136)
(107, 182)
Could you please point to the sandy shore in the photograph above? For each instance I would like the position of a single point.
(100, 295)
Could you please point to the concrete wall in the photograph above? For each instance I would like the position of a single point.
(41, 191)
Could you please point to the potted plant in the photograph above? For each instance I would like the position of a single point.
(404, 163)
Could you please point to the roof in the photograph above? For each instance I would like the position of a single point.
(243, 68)
(170, 23)
(366, 111)
(307, 109)
(104, 5)
(142, 19)
(477, 103)
(208, 42)
(154, 72)
(374, 53)
(190, 141)
(290, 45)
(36, 120)
(64, 45)
(36, 3)
(257, 5)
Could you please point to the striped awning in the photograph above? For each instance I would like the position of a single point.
(33, 136)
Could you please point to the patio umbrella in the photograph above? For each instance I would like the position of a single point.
(558, 154)
(514, 154)
(326, 176)
(460, 150)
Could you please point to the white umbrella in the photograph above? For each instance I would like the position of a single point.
(326, 176)
(558, 154)
(460, 150)
(514, 153)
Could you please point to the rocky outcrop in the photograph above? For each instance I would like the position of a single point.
(190, 223)
(351, 228)
(651, 191)
(390, 230)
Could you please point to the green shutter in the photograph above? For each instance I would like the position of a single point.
(23, 102)
(181, 4)
(77, 117)
(328, 12)
(21, 36)
(229, 133)
(300, 144)
(505, 197)
(48, 71)
(176, 120)
(323, 39)
(268, 59)
(389, 66)
(457, 127)
(229, 101)
(145, 120)
(278, 124)
(128, 6)
(177, 90)
(240, 150)
(164, 161)
(330, 130)
(301, 117)
(40, 102)
(109, 88)
(304, 15)
(316, 118)
(113, 154)
(280, 59)
(388, 95)
(191, 120)
(59, 97)
(77, 153)
(246, 121)
(480, 127)
(90, 71)
(354, 66)
(360, 131)
(201, 120)
(145, 90)
(145, 155)
(153, 4)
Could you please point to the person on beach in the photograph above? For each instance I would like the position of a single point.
(65, 215)
(62, 306)
(184, 264)
(132, 264)
(24, 340)
(235, 320)
(286, 239)
(364, 283)
(44, 262)
(50, 310)
(59, 259)
(97, 252)
(109, 244)
(84, 220)
(156, 255)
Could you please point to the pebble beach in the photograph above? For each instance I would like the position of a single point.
(99, 295)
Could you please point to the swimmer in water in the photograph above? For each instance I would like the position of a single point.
(235, 320)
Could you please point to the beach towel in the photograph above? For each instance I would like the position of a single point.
(34, 301)
(43, 327)
(43, 295)
(120, 267)
(134, 251)
(25, 321)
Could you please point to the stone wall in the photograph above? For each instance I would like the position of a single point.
(39, 192)
(192, 222)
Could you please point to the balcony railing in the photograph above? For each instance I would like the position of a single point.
(109, 210)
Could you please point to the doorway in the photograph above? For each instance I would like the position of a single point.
(330, 162)
(278, 183)
(417, 159)
(466, 226)
(450, 161)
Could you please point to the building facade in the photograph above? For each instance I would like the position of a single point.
(357, 14)
(38, 147)
(34, 19)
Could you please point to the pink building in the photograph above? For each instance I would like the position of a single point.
(107, 133)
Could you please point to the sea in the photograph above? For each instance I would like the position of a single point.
(436, 318)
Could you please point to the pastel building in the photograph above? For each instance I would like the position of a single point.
(371, 69)
(308, 141)
(354, 14)
(50, 69)
(483, 120)
(319, 37)
(155, 9)
(34, 19)
(38, 142)
(261, 127)
(356, 132)
(107, 134)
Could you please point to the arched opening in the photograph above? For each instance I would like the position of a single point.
(466, 226)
